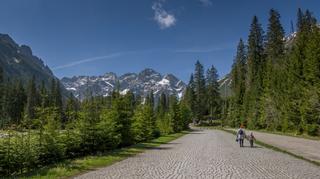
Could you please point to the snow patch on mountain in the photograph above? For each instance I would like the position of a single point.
(140, 84)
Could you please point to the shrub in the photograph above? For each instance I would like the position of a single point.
(313, 129)
(165, 125)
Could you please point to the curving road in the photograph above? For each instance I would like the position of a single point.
(208, 154)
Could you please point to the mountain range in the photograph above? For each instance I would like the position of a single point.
(141, 83)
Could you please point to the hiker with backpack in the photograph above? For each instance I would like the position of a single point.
(241, 135)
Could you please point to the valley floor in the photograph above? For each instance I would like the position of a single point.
(208, 154)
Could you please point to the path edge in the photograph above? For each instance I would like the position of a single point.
(277, 149)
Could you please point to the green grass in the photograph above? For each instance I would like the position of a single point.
(291, 134)
(276, 148)
(69, 168)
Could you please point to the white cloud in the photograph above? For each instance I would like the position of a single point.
(162, 17)
(206, 2)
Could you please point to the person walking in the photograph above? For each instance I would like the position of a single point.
(241, 135)
(251, 138)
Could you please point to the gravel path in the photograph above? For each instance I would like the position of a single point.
(307, 148)
(208, 154)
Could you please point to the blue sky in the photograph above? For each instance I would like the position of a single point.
(92, 37)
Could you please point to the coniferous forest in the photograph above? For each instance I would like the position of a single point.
(275, 80)
(42, 127)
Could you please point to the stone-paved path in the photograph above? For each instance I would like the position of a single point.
(208, 154)
(306, 148)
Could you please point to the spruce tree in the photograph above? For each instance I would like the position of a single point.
(19, 100)
(189, 96)
(213, 95)
(269, 108)
(200, 92)
(1, 97)
(32, 100)
(175, 113)
(238, 76)
(275, 37)
(255, 67)
(162, 105)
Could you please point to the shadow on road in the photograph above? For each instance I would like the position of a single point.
(165, 143)
(256, 147)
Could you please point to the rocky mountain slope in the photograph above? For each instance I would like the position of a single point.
(140, 84)
(18, 62)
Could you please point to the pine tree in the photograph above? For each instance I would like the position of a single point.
(175, 113)
(19, 100)
(255, 67)
(32, 99)
(143, 126)
(189, 96)
(162, 105)
(72, 109)
(150, 99)
(213, 95)
(123, 120)
(269, 108)
(275, 37)
(200, 92)
(300, 20)
(1, 97)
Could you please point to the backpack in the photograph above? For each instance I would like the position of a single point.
(240, 132)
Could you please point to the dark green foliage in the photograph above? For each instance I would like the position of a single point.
(201, 100)
(123, 112)
(143, 126)
(282, 80)
(313, 129)
(189, 97)
(176, 116)
(255, 70)
(238, 75)
(213, 95)
(32, 99)
(200, 92)
(163, 105)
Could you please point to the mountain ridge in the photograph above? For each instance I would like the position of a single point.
(19, 63)
(140, 83)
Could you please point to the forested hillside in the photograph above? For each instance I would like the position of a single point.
(39, 128)
(276, 84)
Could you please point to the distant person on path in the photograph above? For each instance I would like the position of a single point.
(251, 139)
(241, 135)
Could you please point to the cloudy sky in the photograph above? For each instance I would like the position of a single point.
(92, 37)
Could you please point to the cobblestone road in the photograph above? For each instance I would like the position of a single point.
(307, 148)
(208, 154)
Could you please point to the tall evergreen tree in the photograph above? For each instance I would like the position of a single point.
(189, 96)
(162, 105)
(176, 117)
(200, 92)
(1, 96)
(255, 68)
(18, 102)
(32, 99)
(213, 95)
(269, 109)
(275, 37)
(238, 76)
